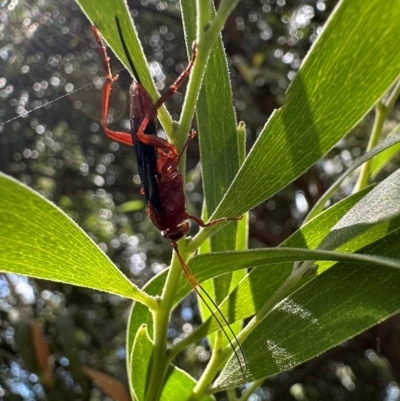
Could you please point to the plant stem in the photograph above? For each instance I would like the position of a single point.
(382, 110)
(210, 372)
(246, 395)
(380, 116)
(206, 37)
(223, 12)
(193, 89)
(161, 320)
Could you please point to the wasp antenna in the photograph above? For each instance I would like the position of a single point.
(125, 47)
(240, 358)
(195, 285)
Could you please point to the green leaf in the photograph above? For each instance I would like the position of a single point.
(359, 227)
(140, 357)
(241, 244)
(337, 305)
(268, 275)
(265, 258)
(179, 386)
(347, 71)
(40, 241)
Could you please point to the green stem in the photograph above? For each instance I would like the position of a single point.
(231, 394)
(224, 10)
(246, 395)
(193, 89)
(210, 372)
(196, 75)
(380, 117)
(161, 316)
(382, 110)
(206, 37)
(204, 14)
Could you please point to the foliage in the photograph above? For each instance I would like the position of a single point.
(333, 278)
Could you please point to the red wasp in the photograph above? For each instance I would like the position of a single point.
(158, 165)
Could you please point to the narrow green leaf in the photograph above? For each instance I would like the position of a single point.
(140, 357)
(40, 241)
(217, 130)
(264, 257)
(337, 305)
(179, 386)
(349, 68)
(274, 262)
(189, 21)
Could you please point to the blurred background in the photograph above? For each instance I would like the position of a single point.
(51, 139)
